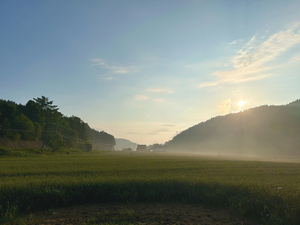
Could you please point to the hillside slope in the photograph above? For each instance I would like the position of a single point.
(261, 130)
(39, 121)
(124, 143)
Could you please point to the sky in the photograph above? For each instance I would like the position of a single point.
(146, 70)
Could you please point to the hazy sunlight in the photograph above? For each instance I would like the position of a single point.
(241, 103)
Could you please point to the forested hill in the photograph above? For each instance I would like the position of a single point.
(261, 130)
(39, 119)
(124, 143)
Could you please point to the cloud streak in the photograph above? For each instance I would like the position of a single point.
(163, 130)
(114, 69)
(296, 58)
(168, 125)
(107, 77)
(235, 41)
(140, 98)
(250, 62)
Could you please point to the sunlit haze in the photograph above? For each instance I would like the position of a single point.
(241, 103)
(147, 70)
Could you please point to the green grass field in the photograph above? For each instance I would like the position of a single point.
(266, 191)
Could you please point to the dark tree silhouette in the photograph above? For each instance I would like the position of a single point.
(40, 119)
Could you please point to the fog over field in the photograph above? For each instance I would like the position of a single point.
(234, 157)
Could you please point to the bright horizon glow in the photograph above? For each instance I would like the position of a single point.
(147, 70)
(241, 103)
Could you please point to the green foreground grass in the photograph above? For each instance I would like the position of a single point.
(266, 191)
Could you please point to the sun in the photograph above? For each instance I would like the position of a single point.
(241, 103)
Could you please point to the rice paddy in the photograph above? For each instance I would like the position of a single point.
(266, 191)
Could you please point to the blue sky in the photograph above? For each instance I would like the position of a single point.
(146, 70)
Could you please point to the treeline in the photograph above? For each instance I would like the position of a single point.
(261, 130)
(39, 119)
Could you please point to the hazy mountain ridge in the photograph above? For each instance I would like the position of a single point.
(124, 143)
(260, 130)
(295, 103)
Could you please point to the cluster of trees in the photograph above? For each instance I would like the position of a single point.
(155, 146)
(39, 119)
(261, 130)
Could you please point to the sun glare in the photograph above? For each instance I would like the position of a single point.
(241, 103)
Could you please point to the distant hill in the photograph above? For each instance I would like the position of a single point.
(124, 143)
(260, 130)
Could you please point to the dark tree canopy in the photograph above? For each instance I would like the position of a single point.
(34, 112)
(40, 119)
(45, 104)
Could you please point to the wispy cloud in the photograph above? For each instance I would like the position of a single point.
(294, 59)
(159, 90)
(107, 77)
(224, 107)
(251, 41)
(235, 41)
(168, 125)
(163, 130)
(250, 62)
(153, 97)
(114, 69)
(140, 98)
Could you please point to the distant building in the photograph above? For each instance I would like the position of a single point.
(127, 149)
(141, 148)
